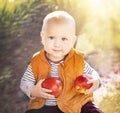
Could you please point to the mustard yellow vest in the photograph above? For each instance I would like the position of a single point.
(69, 101)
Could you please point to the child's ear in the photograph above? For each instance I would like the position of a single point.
(42, 35)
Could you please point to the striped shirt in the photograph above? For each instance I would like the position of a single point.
(28, 80)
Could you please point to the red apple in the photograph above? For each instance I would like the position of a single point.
(81, 85)
(53, 84)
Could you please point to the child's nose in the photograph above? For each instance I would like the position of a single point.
(57, 43)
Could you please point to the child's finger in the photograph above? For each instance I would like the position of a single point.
(89, 76)
(89, 91)
(49, 96)
(90, 81)
(40, 82)
(46, 90)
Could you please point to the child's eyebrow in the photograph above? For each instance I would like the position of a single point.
(51, 36)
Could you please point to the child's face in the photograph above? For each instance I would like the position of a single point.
(58, 39)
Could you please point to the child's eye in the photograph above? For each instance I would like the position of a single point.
(51, 37)
(63, 39)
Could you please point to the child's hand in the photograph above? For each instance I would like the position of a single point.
(95, 81)
(39, 91)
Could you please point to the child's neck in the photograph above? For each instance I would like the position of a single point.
(54, 61)
(57, 61)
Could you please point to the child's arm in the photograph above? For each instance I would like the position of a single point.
(30, 88)
(94, 78)
(27, 81)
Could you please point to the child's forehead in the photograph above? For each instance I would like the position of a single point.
(60, 30)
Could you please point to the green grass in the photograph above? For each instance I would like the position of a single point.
(11, 11)
(12, 15)
(6, 74)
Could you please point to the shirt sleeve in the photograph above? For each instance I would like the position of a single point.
(27, 81)
(89, 70)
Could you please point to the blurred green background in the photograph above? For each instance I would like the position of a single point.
(98, 32)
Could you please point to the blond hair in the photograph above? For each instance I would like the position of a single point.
(57, 17)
